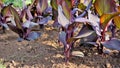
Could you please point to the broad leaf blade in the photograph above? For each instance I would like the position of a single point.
(113, 44)
(104, 6)
(92, 22)
(23, 15)
(84, 32)
(29, 15)
(81, 20)
(33, 36)
(10, 11)
(105, 18)
(54, 4)
(29, 24)
(62, 18)
(1, 5)
(117, 21)
(5, 11)
(41, 5)
(62, 38)
(45, 20)
(66, 6)
(16, 29)
(95, 22)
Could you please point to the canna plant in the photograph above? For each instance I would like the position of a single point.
(108, 18)
(2, 21)
(95, 24)
(17, 25)
(109, 21)
(41, 12)
(68, 25)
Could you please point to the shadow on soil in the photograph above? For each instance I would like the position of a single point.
(48, 55)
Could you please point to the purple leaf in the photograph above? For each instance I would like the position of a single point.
(41, 5)
(93, 21)
(75, 9)
(82, 20)
(56, 24)
(4, 25)
(12, 20)
(113, 44)
(84, 32)
(30, 17)
(9, 11)
(45, 20)
(29, 24)
(16, 30)
(92, 43)
(61, 18)
(62, 38)
(33, 36)
(48, 10)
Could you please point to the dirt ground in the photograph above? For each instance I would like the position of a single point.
(45, 52)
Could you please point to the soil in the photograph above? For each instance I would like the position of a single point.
(45, 52)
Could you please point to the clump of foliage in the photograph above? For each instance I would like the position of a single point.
(98, 17)
(17, 3)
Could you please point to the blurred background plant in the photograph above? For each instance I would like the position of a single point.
(1, 65)
(17, 3)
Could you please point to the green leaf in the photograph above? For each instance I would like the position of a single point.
(104, 6)
(117, 21)
(54, 4)
(105, 18)
(81, 6)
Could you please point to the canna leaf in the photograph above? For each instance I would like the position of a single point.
(5, 11)
(62, 38)
(54, 4)
(66, 6)
(10, 11)
(23, 15)
(29, 24)
(62, 18)
(81, 6)
(29, 15)
(69, 3)
(16, 29)
(16, 17)
(93, 21)
(33, 36)
(105, 18)
(1, 5)
(117, 21)
(85, 2)
(41, 5)
(104, 6)
(113, 44)
(86, 31)
(44, 20)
